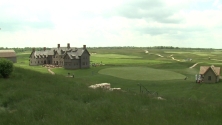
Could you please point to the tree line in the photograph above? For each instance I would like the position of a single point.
(19, 50)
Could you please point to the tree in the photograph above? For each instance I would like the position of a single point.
(6, 67)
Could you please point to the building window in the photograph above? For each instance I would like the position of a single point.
(209, 78)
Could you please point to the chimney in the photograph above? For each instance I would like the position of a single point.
(33, 49)
(44, 48)
(84, 46)
(58, 45)
(68, 45)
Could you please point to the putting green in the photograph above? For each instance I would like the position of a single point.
(141, 73)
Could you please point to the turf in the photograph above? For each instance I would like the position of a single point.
(33, 96)
(141, 73)
(114, 56)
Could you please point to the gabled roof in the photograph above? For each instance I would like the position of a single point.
(72, 52)
(204, 69)
(7, 53)
(62, 50)
(76, 53)
(40, 54)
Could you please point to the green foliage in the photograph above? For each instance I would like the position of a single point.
(6, 67)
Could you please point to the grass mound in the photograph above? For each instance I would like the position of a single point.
(141, 73)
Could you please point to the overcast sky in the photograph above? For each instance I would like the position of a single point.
(45, 23)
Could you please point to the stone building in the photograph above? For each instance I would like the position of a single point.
(67, 57)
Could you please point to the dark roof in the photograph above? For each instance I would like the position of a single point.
(76, 53)
(204, 69)
(41, 54)
(62, 50)
(72, 52)
(7, 53)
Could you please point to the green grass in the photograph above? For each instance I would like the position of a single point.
(113, 56)
(141, 73)
(33, 96)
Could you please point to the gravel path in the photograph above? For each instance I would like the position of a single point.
(51, 71)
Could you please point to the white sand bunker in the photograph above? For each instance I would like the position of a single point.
(193, 65)
(159, 55)
(160, 98)
(104, 86)
(51, 71)
(175, 59)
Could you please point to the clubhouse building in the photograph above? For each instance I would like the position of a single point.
(67, 57)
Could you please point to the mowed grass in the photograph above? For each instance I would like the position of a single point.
(113, 56)
(141, 73)
(33, 96)
(120, 59)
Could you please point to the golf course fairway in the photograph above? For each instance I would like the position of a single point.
(141, 73)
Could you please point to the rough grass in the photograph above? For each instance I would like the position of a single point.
(33, 96)
(53, 100)
(141, 73)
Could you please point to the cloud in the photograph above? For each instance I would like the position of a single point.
(149, 10)
(15, 18)
(17, 25)
(111, 23)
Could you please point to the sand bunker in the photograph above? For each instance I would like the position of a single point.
(106, 86)
(159, 55)
(51, 71)
(193, 66)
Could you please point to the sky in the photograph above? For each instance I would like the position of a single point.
(101, 23)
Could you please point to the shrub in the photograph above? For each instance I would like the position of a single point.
(6, 67)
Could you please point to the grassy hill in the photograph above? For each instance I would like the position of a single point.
(33, 96)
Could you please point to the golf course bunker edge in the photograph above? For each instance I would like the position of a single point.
(141, 73)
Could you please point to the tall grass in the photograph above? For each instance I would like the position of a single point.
(34, 97)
